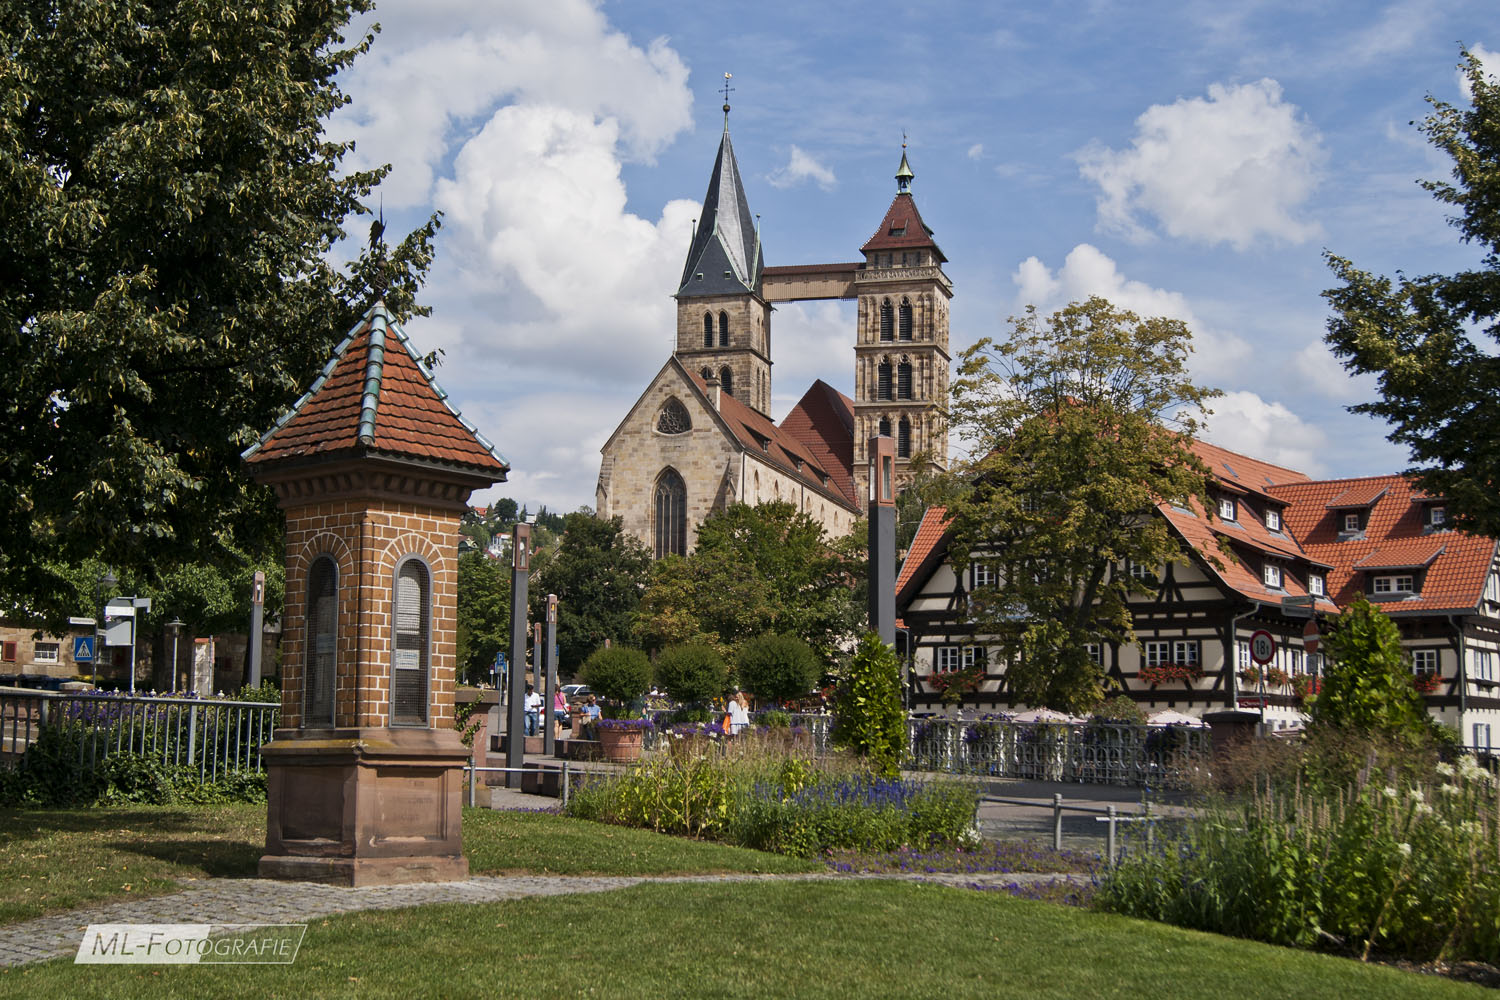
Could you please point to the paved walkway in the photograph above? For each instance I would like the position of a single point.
(250, 900)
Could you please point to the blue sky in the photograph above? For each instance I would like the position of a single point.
(1191, 160)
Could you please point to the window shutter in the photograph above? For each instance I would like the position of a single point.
(8, 652)
(409, 673)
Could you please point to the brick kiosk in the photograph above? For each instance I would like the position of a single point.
(372, 468)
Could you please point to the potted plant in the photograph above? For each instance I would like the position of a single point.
(619, 675)
(622, 739)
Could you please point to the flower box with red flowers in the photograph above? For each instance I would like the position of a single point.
(1166, 673)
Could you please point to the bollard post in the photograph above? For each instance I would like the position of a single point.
(565, 784)
(1057, 821)
(1111, 846)
(473, 780)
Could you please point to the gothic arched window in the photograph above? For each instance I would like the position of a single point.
(708, 330)
(885, 426)
(671, 514)
(723, 329)
(905, 333)
(903, 380)
(726, 379)
(411, 643)
(903, 439)
(322, 640)
(674, 418)
(887, 321)
(883, 380)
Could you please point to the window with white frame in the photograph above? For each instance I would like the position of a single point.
(1424, 662)
(1492, 588)
(1158, 653)
(1437, 515)
(1143, 572)
(1401, 584)
(1095, 653)
(44, 652)
(1273, 519)
(1185, 652)
(1353, 521)
(1272, 575)
(984, 575)
(1482, 737)
(1226, 509)
(1315, 664)
(1316, 584)
(1242, 655)
(946, 660)
(1484, 665)
(974, 656)
(1294, 661)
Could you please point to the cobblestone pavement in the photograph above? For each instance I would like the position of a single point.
(264, 901)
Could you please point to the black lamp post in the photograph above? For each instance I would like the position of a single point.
(174, 631)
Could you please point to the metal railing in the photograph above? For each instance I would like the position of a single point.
(215, 737)
(1097, 753)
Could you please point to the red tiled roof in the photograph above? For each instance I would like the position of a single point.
(1242, 472)
(924, 545)
(1407, 553)
(1394, 534)
(374, 397)
(758, 435)
(1361, 495)
(823, 421)
(903, 229)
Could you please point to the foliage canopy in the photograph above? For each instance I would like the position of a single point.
(869, 719)
(777, 668)
(1439, 390)
(598, 573)
(1078, 425)
(170, 203)
(1367, 682)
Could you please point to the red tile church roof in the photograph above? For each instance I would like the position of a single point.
(823, 421)
(375, 397)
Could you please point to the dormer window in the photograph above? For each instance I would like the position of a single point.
(1437, 517)
(1226, 509)
(1272, 576)
(1273, 519)
(1316, 585)
(1403, 583)
(1353, 521)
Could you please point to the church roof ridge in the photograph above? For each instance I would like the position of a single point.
(725, 256)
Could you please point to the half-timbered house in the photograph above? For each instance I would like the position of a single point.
(1275, 547)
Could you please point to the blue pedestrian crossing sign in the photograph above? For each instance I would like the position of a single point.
(83, 648)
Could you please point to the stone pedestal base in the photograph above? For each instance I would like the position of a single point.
(364, 806)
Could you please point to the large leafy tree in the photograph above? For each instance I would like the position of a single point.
(1367, 684)
(756, 569)
(483, 610)
(1077, 424)
(1439, 389)
(598, 572)
(169, 204)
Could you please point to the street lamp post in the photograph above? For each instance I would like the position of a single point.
(174, 630)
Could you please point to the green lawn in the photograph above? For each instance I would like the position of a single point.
(61, 859)
(835, 939)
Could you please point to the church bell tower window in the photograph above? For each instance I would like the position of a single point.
(883, 381)
(723, 329)
(887, 321)
(903, 439)
(726, 379)
(903, 380)
(905, 319)
(708, 330)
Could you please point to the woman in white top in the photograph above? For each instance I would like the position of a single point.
(739, 713)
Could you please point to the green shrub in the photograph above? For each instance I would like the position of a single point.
(869, 719)
(1121, 708)
(691, 672)
(1403, 870)
(1367, 681)
(774, 718)
(618, 674)
(777, 668)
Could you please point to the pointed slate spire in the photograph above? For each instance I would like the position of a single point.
(725, 256)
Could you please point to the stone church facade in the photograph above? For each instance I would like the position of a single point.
(701, 438)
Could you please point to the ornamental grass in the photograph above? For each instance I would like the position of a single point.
(764, 792)
(1384, 867)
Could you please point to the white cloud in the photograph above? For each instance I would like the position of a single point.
(554, 266)
(1398, 28)
(416, 91)
(1315, 367)
(810, 340)
(1233, 168)
(1246, 423)
(1489, 61)
(802, 166)
(1087, 271)
(976, 151)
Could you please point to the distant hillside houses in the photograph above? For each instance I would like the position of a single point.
(1297, 543)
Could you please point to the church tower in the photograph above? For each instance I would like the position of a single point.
(901, 343)
(723, 320)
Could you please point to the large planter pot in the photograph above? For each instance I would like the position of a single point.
(620, 745)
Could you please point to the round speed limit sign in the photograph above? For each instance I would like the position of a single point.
(1262, 647)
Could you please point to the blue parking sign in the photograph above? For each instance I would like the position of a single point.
(83, 648)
